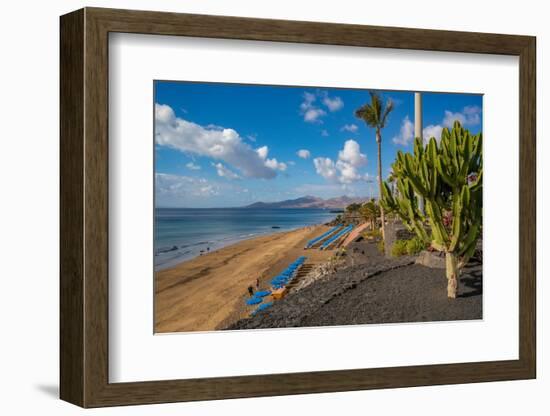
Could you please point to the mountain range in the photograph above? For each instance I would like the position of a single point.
(309, 202)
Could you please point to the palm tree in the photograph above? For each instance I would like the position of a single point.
(375, 115)
(370, 211)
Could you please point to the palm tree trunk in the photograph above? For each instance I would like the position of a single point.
(382, 217)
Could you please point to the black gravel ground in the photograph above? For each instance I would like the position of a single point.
(378, 291)
(411, 294)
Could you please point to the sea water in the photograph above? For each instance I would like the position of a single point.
(184, 233)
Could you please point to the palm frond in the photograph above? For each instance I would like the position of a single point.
(387, 110)
(376, 105)
(367, 114)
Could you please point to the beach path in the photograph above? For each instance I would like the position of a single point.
(208, 291)
(354, 234)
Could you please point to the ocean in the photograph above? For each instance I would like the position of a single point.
(182, 233)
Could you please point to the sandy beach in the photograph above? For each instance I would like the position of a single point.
(208, 292)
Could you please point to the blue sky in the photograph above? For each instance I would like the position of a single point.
(227, 145)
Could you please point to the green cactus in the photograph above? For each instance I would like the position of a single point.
(448, 175)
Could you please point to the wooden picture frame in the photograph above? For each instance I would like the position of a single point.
(84, 207)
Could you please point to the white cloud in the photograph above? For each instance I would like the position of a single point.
(349, 160)
(164, 114)
(186, 191)
(352, 128)
(351, 153)
(313, 112)
(218, 143)
(309, 97)
(332, 103)
(309, 110)
(303, 153)
(469, 116)
(192, 166)
(406, 133)
(432, 131)
(181, 186)
(312, 115)
(270, 163)
(325, 167)
(348, 172)
(224, 172)
(262, 152)
(346, 168)
(273, 164)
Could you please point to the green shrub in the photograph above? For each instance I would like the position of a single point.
(414, 246)
(372, 234)
(380, 246)
(399, 248)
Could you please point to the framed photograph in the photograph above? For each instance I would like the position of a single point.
(255, 207)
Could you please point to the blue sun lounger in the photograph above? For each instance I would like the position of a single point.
(263, 293)
(262, 307)
(335, 237)
(254, 300)
(288, 274)
(320, 238)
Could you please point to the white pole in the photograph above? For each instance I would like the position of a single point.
(417, 114)
(418, 132)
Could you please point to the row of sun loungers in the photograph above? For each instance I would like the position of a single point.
(336, 237)
(277, 282)
(288, 274)
(261, 307)
(320, 238)
(258, 297)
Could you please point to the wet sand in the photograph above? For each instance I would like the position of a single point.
(208, 292)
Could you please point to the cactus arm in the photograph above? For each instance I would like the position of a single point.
(471, 237)
(414, 180)
(457, 223)
(446, 178)
(418, 228)
(467, 255)
(436, 224)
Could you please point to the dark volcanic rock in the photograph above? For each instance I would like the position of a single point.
(411, 294)
(382, 291)
(433, 259)
(296, 307)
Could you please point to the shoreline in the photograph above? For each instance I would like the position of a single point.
(179, 234)
(221, 244)
(209, 291)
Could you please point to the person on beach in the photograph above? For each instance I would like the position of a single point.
(250, 291)
(257, 283)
